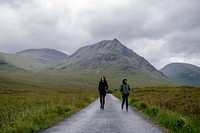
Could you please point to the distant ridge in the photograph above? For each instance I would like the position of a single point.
(183, 73)
(43, 50)
(45, 55)
(34, 59)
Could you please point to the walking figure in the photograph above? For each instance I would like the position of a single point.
(103, 86)
(125, 90)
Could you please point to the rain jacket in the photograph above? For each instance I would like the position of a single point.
(125, 89)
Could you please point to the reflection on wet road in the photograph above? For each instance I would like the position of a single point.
(112, 119)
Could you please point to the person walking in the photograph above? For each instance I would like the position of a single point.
(103, 86)
(125, 90)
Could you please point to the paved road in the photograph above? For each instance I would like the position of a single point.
(112, 119)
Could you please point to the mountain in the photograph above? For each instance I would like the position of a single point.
(34, 59)
(110, 57)
(182, 73)
(108, 54)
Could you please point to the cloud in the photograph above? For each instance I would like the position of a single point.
(162, 31)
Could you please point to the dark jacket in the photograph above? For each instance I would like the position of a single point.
(103, 86)
(125, 89)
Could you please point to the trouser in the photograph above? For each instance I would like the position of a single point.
(102, 100)
(125, 99)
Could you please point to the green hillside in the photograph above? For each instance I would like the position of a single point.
(33, 59)
(16, 60)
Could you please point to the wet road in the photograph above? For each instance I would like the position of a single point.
(112, 119)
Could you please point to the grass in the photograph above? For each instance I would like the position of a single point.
(29, 106)
(175, 108)
(114, 77)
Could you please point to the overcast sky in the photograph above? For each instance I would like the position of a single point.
(162, 31)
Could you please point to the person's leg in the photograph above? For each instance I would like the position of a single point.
(127, 102)
(101, 100)
(123, 101)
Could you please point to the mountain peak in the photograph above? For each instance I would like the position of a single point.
(113, 42)
(116, 41)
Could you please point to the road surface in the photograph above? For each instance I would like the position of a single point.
(112, 119)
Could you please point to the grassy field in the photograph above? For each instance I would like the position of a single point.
(29, 106)
(175, 108)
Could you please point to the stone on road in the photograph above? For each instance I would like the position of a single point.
(112, 119)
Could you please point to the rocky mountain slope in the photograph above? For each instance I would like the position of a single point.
(108, 55)
(111, 58)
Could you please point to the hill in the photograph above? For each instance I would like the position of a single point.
(5, 66)
(182, 73)
(10, 71)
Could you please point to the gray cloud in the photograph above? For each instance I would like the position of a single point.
(184, 42)
(161, 31)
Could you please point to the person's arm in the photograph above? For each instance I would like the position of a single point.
(106, 86)
(129, 89)
(121, 89)
(99, 86)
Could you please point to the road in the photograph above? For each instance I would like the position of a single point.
(112, 119)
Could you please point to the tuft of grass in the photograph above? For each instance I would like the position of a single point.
(152, 111)
(143, 106)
